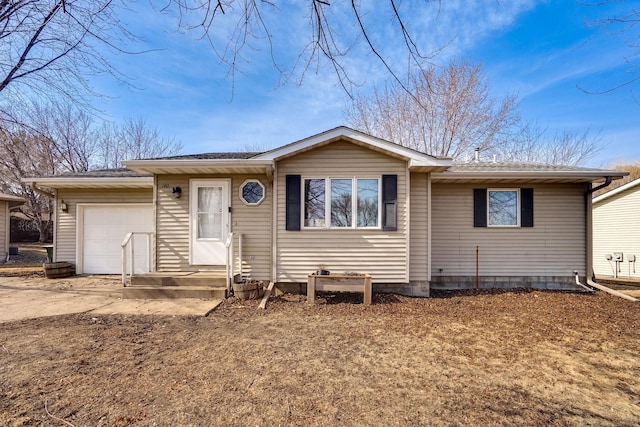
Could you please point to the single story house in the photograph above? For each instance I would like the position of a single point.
(341, 198)
(7, 202)
(616, 232)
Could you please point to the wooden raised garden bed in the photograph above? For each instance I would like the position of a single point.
(339, 283)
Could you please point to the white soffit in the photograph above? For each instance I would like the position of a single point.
(92, 182)
(201, 166)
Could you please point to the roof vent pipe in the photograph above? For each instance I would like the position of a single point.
(476, 157)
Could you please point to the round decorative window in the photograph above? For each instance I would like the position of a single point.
(252, 192)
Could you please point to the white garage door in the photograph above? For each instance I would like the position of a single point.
(103, 230)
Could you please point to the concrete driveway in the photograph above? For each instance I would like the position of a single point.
(28, 297)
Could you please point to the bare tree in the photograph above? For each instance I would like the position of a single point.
(622, 22)
(22, 154)
(335, 29)
(450, 113)
(59, 138)
(49, 46)
(447, 112)
(70, 131)
(565, 148)
(133, 140)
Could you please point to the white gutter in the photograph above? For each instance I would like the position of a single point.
(489, 175)
(40, 191)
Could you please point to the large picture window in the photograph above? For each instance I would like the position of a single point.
(341, 202)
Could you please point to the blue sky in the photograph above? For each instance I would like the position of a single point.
(540, 50)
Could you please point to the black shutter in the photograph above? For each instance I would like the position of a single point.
(389, 202)
(479, 207)
(526, 207)
(293, 202)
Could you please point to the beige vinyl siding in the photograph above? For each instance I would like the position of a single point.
(616, 228)
(66, 222)
(4, 230)
(383, 254)
(555, 246)
(419, 228)
(253, 222)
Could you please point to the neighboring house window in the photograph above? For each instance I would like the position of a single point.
(503, 207)
(341, 202)
(252, 192)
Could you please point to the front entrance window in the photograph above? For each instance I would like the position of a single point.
(209, 213)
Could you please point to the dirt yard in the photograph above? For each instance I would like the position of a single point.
(506, 358)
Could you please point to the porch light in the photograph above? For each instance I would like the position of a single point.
(177, 192)
(63, 206)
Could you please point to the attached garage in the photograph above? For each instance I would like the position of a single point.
(101, 230)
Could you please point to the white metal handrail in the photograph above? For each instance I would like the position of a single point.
(128, 242)
(229, 267)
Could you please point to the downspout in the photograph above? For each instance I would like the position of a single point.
(40, 191)
(589, 225)
(592, 282)
(590, 290)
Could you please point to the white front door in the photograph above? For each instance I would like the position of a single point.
(209, 206)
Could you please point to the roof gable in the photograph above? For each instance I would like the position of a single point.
(415, 158)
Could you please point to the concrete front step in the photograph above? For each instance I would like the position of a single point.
(173, 292)
(195, 279)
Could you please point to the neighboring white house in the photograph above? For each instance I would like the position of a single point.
(7, 202)
(616, 232)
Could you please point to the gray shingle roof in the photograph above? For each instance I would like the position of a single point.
(489, 167)
(101, 173)
(211, 156)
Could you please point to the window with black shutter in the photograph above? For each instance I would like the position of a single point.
(503, 207)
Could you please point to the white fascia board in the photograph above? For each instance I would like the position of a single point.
(92, 182)
(342, 131)
(593, 176)
(615, 191)
(11, 198)
(437, 165)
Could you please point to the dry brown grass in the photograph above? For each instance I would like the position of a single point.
(509, 358)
